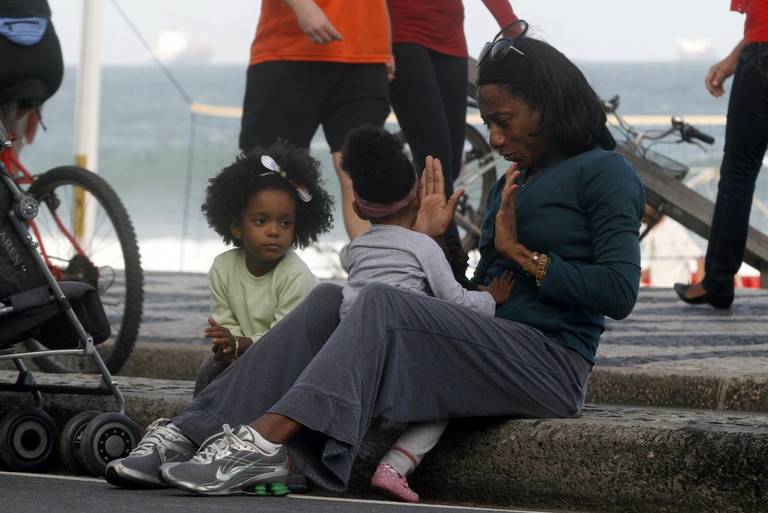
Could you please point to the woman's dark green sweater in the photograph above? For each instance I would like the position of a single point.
(584, 213)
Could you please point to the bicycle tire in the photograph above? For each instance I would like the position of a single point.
(50, 188)
(477, 175)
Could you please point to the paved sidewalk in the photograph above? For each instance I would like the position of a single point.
(662, 333)
(666, 353)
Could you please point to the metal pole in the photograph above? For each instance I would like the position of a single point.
(87, 105)
(187, 190)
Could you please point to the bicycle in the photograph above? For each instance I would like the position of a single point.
(477, 175)
(84, 233)
(632, 143)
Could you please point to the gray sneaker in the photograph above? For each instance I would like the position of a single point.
(162, 443)
(231, 463)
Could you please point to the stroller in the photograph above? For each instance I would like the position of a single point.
(68, 319)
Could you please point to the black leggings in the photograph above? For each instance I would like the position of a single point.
(429, 97)
(746, 140)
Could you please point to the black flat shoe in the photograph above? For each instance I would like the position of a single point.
(708, 298)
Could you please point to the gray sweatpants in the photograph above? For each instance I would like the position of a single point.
(397, 355)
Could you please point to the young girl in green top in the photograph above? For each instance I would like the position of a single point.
(265, 204)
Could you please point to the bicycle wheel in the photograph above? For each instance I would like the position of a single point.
(478, 173)
(109, 260)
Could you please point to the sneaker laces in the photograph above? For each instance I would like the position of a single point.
(157, 434)
(219, 445)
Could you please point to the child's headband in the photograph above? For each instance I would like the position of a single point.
(269, 163)
(377, 210)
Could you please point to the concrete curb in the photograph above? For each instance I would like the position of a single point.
(607, 385)
(146, 399)
(165, 360)
(698, 390)
(609, 459)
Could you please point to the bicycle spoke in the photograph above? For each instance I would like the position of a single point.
(88, 246)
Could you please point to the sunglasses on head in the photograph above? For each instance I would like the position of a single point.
(504, 42)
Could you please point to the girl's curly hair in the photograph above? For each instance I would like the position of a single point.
(228, 193)
(375, 160)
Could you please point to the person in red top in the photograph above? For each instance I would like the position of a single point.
(317, 62)
(746, 140)
(429, 90)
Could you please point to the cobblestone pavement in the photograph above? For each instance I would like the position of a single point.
(662, 333)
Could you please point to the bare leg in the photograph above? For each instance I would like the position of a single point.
(354, 225)
(275, 427)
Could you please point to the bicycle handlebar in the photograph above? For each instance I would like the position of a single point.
(690, 132)
(610, 106)
(687, 132)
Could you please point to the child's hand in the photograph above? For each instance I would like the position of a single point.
(222, 340)
(501, 287)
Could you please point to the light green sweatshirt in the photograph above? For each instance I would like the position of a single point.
(250, 305)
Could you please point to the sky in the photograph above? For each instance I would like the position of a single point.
(586, 30)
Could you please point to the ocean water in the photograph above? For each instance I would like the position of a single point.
(158, 156)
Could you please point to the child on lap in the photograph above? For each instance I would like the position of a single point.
(266, 203)
(386, 191)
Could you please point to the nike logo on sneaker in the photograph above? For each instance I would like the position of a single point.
(226, 476)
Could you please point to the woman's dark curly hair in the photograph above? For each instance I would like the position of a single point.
(229, 192)
(571, 113)
(380, 170)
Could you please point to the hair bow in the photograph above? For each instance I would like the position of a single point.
(269, 163)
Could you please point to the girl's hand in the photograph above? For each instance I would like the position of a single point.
(718, 74)
(435, 213)
(313, 22)
(222, 340)
(391, 68)
(500, 287)
(506, 218)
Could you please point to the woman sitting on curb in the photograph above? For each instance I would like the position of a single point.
(566, 224)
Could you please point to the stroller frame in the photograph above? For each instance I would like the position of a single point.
(90, 439)
(26, 207)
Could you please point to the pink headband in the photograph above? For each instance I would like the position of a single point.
(377, 210)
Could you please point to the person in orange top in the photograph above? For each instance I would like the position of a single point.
(746, 140)
(317, 62)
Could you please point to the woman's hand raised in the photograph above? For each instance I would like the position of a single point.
(506, 218)
(435, 212)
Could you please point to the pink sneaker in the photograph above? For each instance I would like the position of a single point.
(389, 481)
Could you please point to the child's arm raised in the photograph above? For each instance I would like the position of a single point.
(435, 211)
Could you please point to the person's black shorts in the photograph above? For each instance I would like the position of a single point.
(289, 100)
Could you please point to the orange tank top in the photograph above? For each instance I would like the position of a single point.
(364, 25)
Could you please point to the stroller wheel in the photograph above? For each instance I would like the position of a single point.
(28, 440)
(107, 437)
(70, 443)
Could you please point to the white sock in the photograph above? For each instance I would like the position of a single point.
(259, 441)
(399, 461)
